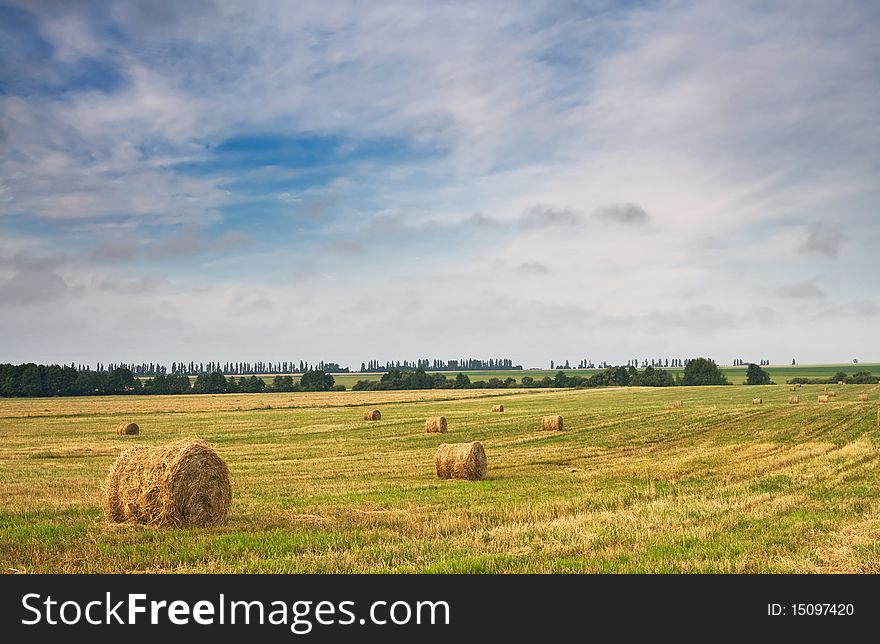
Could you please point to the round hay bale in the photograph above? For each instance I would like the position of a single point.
(824, 388)
(823, 398)
(372, 414)
(798, 385)
(436, 425)
(833, 394)
(128, 429)
(461, 461)
(841, 382)
(756, 401)
(678, 403)
(863, 397)
(181, 484)
(497, 407)
(551, 424)
(793, 400)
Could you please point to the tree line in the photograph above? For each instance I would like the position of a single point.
(700, 371)
(858, 378)
(32, 380)
(464, 364)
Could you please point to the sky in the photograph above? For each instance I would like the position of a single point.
(346, 181)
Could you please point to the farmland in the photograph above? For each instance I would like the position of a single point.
(631, 485)
(736, 375)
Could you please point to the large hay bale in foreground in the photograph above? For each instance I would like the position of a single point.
(372, 414)
(756, 401)
(461, 461)
(176, 485)
(497, 407)
(128, 429)
(793, 400)
(863, 397)
(436, 425)
(823, 398)
(551, 424)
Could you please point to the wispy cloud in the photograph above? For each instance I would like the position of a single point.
(801, 291)
(822, 239)
(533, 268)
(32, 285)
(622, 213)
(460, 146)
(541, 216)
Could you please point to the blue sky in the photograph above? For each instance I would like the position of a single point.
(346, 181)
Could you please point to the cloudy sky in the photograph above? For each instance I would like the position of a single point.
(346, 181)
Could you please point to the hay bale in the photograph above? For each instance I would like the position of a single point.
(863, 397)
(841, 382)
(128, 429)
(678, 403)
(497, 407)
(436, 425)
(823, 398)
(181, 484)
(372, 414)
(793, 400)
(833, 394)
(798, 384)
(551, 424)
(756, 401)
(824, 388)
(461, 461)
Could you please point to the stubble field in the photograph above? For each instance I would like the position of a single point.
(631, 484)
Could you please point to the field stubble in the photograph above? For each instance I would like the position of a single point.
(630, 485)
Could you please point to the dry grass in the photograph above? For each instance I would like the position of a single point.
(631, 486)
(190, 403)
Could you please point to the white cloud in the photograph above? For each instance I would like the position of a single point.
(699, 120)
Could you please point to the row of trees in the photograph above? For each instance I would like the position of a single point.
(259, 367)
(33, 380)
(700, 371)
(633, 362)
(742, 363)
(465, 364)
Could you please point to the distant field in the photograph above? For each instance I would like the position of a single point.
(736, 375)
(631, 485)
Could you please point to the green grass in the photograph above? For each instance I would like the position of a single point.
(631, 485)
